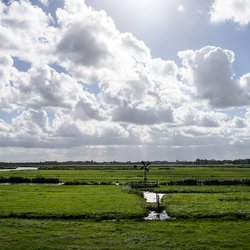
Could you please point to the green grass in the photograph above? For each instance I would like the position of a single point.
(71, 217)
(85, 202)
(125, 175)
(231, 205)
(64, 235)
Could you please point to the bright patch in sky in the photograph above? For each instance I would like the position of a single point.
(124, 80)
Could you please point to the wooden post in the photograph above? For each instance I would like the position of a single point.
(158, 201)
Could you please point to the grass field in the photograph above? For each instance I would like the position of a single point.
(79, 217)
(214, 205)
(116, 175)
(19, 234)
(82, 202)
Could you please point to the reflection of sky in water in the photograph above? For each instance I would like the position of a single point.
(153, 215)
(151, 197)
(18, 169)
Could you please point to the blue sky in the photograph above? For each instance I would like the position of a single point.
(171, 32)
(124, 80)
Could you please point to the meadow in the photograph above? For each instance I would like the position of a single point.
(32, 234)
(114, 174)
(69, 202)
(226, 205)
(97, 216)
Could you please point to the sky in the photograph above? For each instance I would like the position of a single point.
(124, 80)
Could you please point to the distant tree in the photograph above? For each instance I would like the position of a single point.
(145, 165)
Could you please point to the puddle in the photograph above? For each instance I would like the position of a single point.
(18, 168)
(153, 215)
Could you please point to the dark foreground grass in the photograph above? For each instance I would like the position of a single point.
(64, 235)
(70, 202)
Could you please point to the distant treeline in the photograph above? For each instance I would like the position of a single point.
(112, 163)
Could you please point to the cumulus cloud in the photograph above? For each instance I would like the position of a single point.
(140, 116)
(25, 31)
(141, 102)
(80, 46)
(237, 11)
(42, 87)
(210, 71)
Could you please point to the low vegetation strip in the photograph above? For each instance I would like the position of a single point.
(19, 179)
(70, 202)
(215, 182)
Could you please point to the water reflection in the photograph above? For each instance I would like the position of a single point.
(152, 198)
(18, 168)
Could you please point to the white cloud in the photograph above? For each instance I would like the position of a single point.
(210, 71)
(25, 31)
(245, 83)
(144, 106)
(45, 2)
(40, 87)
(237, 11)
(80, 46)
(188, 115)
(180, 8)
(140, 116)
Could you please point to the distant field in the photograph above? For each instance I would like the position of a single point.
(125, 175)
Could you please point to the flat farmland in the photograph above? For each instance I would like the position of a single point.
(32, 234)
(124, 175)
(49, 216)
(69, 202)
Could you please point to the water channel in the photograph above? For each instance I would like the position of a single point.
(18, 168)
(153, 215)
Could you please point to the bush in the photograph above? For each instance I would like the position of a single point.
(17, 179)
(195, 182)
(40, 179)
(4, 179)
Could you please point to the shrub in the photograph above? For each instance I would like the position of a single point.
(40, 179)
(18, 179)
